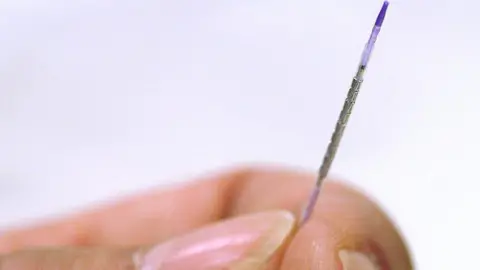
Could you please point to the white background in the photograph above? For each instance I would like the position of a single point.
(98, 100)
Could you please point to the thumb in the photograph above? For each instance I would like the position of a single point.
(246, 242)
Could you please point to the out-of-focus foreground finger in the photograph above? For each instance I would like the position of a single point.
(243, 243)
(347, 230)
(344, 219)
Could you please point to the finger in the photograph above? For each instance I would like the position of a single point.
(247, 242)
(163, 214)
(346, 227)
(150, 216)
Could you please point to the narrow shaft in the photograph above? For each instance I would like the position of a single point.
(344, 116)
(334, 142)
(340, 126)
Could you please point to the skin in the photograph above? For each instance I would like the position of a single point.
(343, 219)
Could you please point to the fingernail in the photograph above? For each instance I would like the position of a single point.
(354, 260)
(246, 242)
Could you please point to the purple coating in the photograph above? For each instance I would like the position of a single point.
(369, 47)
(312, 201)
(381, 14)
(373, 36)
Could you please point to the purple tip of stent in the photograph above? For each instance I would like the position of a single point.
(381, 14)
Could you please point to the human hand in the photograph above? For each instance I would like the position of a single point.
(240, 219)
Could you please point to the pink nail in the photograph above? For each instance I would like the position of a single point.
(241, 243)
(368, 257)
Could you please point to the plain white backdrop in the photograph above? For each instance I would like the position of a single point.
(100, 99)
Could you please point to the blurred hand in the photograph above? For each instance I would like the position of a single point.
(242, 219)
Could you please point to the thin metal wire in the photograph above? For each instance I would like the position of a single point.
(344, 115)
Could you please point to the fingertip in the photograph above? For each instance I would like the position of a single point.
(319, 245)
(243, 243)
(323, 243)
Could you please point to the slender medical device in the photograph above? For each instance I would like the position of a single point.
(344, 115)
